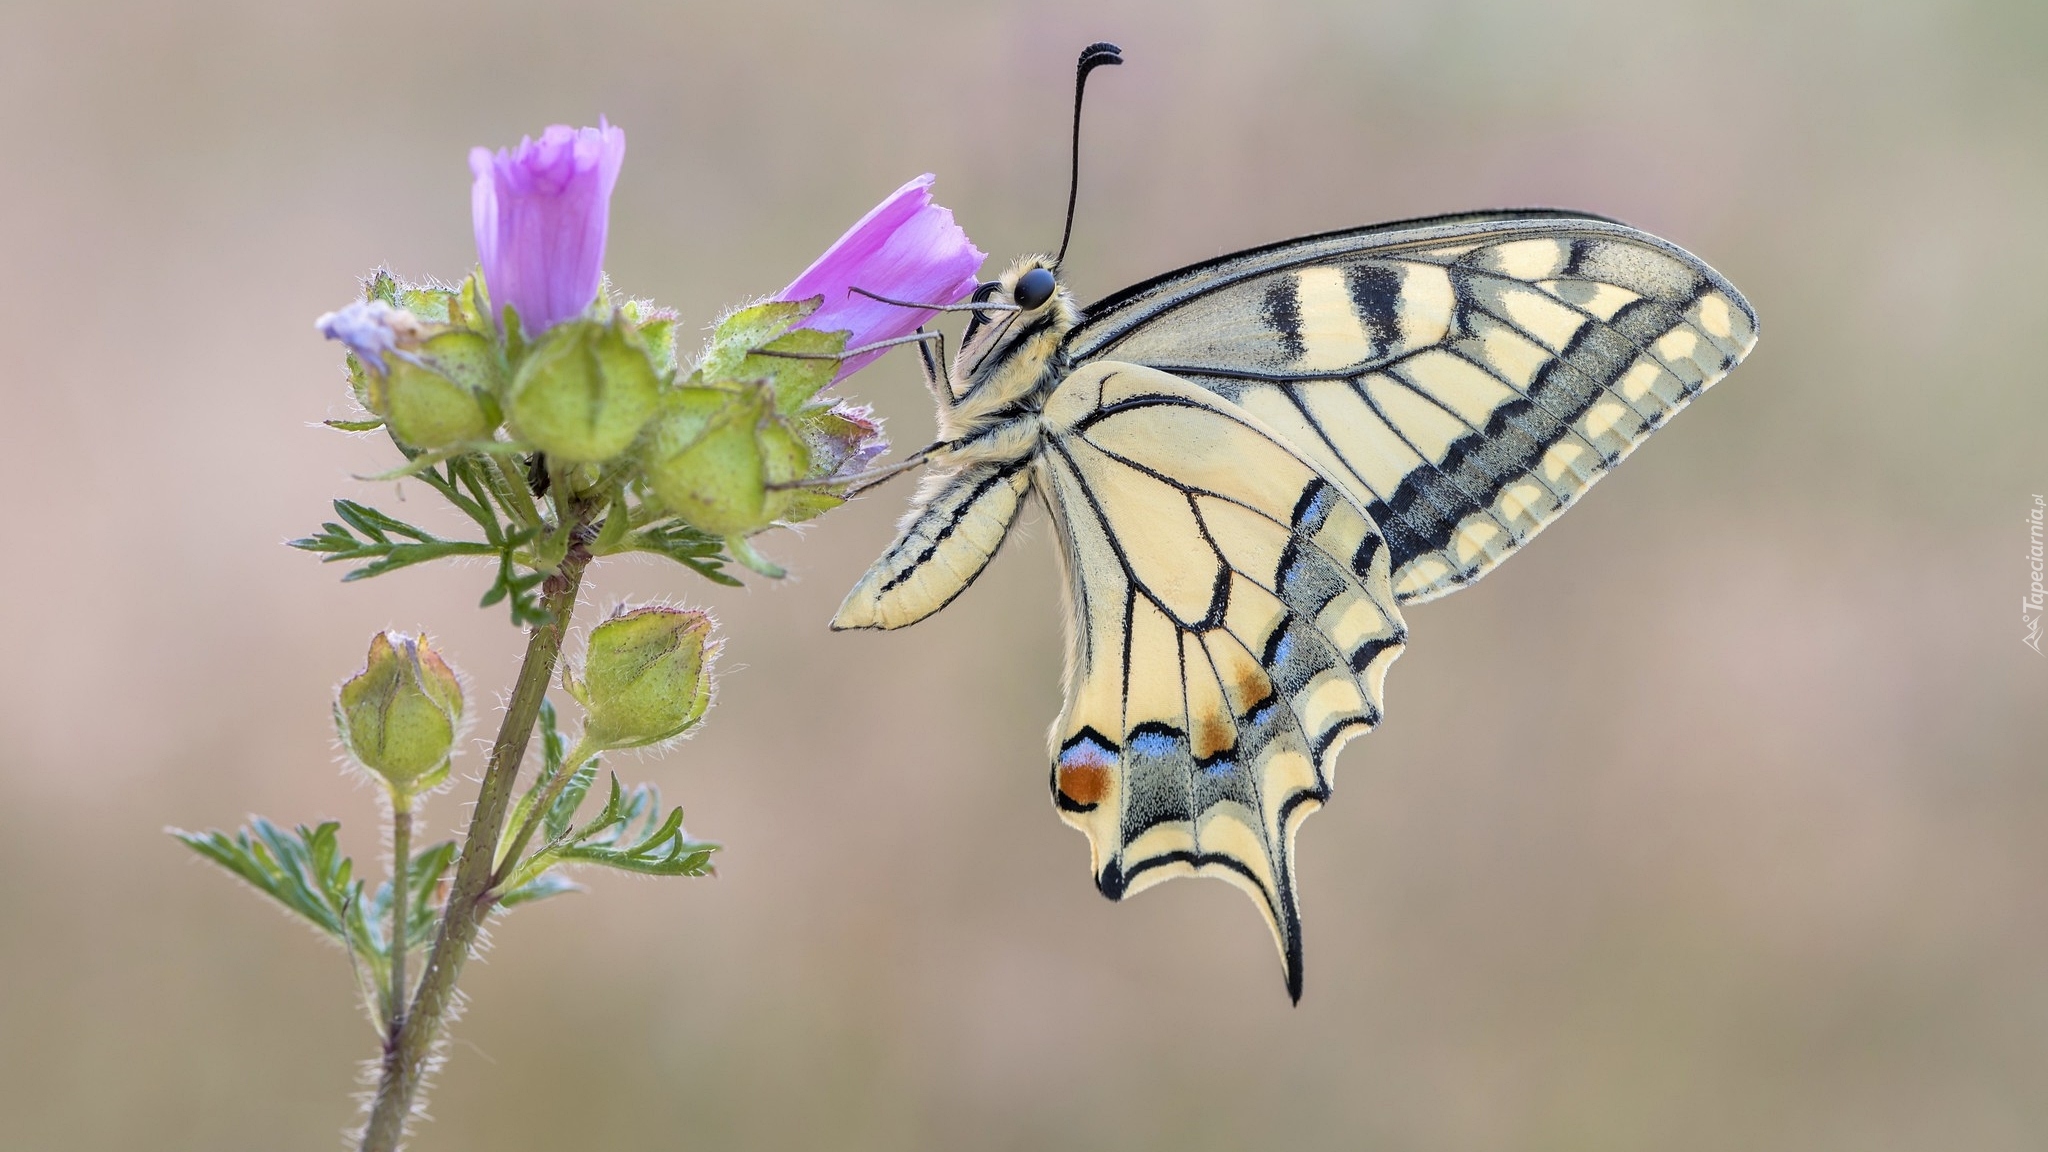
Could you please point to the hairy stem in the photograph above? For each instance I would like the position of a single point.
(409, 1048)
(401, 858)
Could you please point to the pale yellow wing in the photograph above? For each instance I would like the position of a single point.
(956, 523)
(1232, 625)
(1469, 376)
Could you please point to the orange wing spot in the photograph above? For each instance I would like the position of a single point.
(1213, 734)
(1084, 783)
(1253, 687)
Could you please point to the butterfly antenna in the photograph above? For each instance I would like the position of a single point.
(1092, 57)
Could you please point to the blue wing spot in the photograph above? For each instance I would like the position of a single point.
(1283, 652)
(1154, 744)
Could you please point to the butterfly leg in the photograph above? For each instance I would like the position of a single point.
(920, 338)
(933, 366)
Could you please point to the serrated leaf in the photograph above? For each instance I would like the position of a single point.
(552, 746)
(302, 870)
(698, 551)
(366, 534)
(562, 813)
(660, 848)
(405, 555)
(539, 888)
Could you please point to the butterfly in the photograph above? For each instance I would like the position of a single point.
(1254, 464)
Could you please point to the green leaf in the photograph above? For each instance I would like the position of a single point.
(302, 870)
(563, 811)
(698, 551)
(370, 425)
(518, 591)
(659, 848)
(743, 550)
(618, 520)
(630, 834)
(539, 888)
(364, 533)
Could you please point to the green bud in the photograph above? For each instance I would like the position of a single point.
(399, 716)
(735, 354)
(656, 327)
(437, 392)
(429, 302)
(646, 677)
(584, 392)
(743, 330)
(717, 455)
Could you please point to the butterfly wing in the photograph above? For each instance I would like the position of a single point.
(1468, 377)
(1232, 625)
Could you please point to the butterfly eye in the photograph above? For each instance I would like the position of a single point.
(1034, 288)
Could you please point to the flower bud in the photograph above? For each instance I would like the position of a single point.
(646, 677)
(906, 248)
(584, 392)
(399, 716)
(718, 457)
(370, 328)
(541, 212)
(441, 394)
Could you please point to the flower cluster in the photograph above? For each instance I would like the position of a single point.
(560, 421)
(534, 357)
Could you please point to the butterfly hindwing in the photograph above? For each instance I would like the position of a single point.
(1469, 376)
(1232, 626)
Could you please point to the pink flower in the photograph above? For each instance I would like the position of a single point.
(541, 211)
(906, 249)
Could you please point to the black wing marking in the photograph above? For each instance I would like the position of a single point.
(1465, 378)
(1233, 624)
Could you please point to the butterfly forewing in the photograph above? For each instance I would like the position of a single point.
(1467, 377)
(1233, 621)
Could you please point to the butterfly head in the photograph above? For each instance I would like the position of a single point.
(1009, 350)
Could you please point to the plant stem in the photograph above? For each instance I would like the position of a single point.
(401, 858)
(409, 1048)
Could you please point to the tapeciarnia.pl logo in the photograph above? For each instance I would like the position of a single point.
(2031, 606)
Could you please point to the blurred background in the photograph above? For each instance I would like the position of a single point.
(1712, 821)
